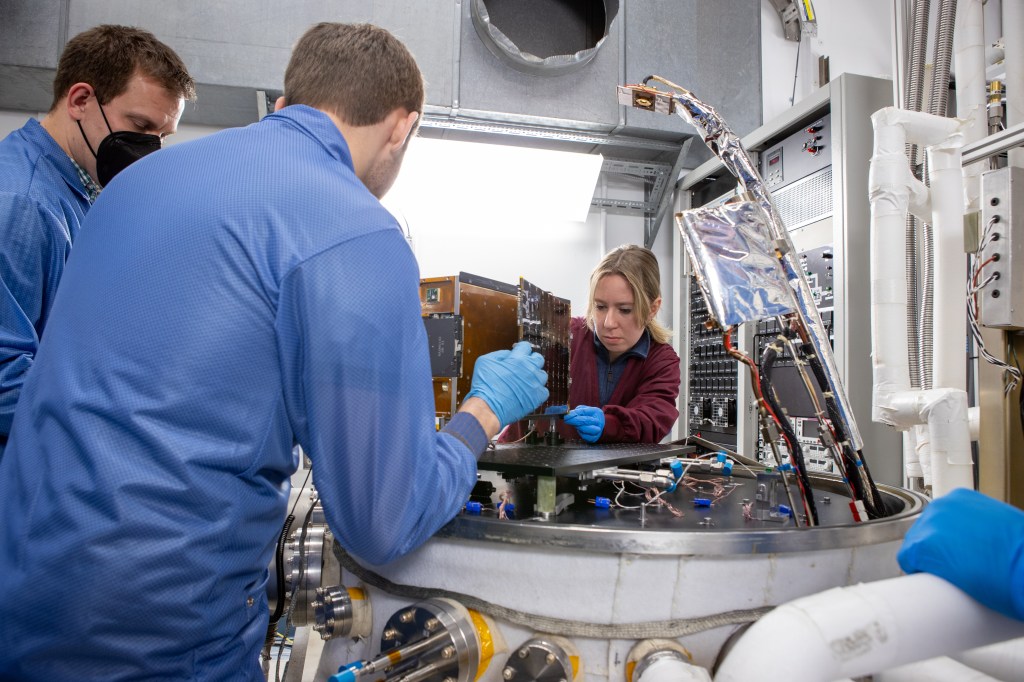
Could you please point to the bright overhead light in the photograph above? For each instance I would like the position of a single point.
(444, 182)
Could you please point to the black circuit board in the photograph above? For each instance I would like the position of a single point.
(544, 321)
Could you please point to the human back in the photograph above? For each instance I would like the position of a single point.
(206, 324)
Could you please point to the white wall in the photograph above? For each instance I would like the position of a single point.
(854, 34)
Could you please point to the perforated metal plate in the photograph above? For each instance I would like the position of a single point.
(571, 458)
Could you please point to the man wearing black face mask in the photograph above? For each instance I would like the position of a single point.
(118, 92)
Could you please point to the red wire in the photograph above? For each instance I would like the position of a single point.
(727, 342)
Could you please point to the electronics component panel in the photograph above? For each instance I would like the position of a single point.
(465, 316)
(799, 155)
(712, 402)
(818, 268)
(543, 320)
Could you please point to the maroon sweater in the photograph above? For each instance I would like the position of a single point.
(641, 409)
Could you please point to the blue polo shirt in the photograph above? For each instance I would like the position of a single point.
(228, 297)
(42, 205)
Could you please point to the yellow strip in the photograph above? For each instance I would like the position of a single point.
(486, 642)
(630, 667)
(809, 9)
(356, 594)
(574, 661)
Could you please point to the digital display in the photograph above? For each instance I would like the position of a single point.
(809, 428)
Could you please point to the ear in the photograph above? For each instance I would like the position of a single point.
(655, 307)
(402, 124)
(79, 95)
(279, 104)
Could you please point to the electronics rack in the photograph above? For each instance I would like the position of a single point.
(814, 159)
(712, 378)
(465, 316)
(817, 265)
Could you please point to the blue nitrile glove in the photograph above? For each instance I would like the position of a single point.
(511, 382)
(974, 542)
(589, 422)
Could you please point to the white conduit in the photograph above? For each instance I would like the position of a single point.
(944, 447)
(864, 629)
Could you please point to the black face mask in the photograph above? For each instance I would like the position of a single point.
(119, 150)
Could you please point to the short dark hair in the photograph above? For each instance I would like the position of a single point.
(107, 56)
(358, 72)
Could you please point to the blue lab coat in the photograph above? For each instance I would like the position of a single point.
(227, 297)
(42, 204)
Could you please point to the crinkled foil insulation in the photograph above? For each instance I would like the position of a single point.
(734, 262)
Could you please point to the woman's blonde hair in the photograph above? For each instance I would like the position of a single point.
(639, 267)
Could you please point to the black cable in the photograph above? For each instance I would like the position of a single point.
(796, 454)
(298, 584)
(873, 503)
(282, 539)
(279, 565)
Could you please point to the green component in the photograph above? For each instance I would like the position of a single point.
(546, 495)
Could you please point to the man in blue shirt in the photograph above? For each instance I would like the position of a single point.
(228, 297)
(117, 92)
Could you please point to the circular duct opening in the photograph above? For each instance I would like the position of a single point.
(544, 36)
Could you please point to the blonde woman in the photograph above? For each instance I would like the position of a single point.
(625, 375)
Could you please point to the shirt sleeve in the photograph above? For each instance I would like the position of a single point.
(649, 415)
(30, 267)
(360, 397)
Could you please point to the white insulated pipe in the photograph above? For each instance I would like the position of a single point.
(971, 91)
(935, 670)
(1003, 661)
(672, 669)
(949, 366)
(893, 192)
(864, 629)
(944, 411)
(890, 184)
(1013, 43)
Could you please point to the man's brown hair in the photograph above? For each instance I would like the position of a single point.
(107, 56)
(358, 72)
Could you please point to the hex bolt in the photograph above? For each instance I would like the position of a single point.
(827, 499)
(523, 653)
(508, 673)
(390, 633)
(431, 625)
(448, 651)
(450, 679)
(407, 616)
